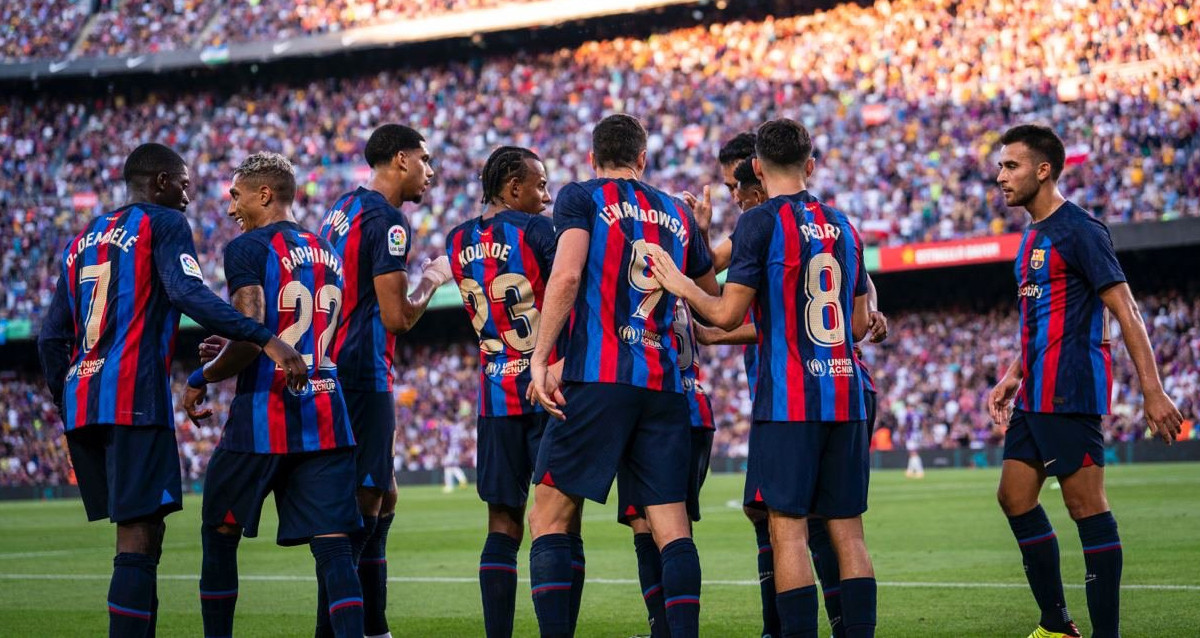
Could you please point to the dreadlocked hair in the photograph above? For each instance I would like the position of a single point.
(504, 164)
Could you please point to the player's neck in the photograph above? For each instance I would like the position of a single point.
(783, 185)
(385, 187)
(1045, 204)
(619, 172)
(493, 209)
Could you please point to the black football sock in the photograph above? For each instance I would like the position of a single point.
(498, 583)
(1102, 556)
(681, 587)
(218, 581)
(335, 566)
(858, 607)
(766, 579)
(1039, 553)
(131, 594)
(649, 563)
(825, 564)
(798, 612)
(372, 574)
(550, 580)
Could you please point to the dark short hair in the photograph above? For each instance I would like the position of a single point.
(736, 149)
(148, 160)
(1041, 140)
(388, 140)
(271, 169)
(505, 163)
(783, 142)
(618, 140)
(744, 173)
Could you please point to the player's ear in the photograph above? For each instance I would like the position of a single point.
(641, 162)
(757, 166)
(592, 161)
(809, 166)
(514, 188)
(1043, 172)
(265, 195)
(400, 161)
(161, 181)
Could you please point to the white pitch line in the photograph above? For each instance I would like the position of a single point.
(598, 581)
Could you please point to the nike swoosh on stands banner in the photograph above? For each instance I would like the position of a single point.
(280, 47)
(55, 67)
(135, 61)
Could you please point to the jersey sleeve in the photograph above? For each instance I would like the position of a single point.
(1093, 255)
(751, 238)
(175, 260)
(244, 259)
(572, 209)
(387, 236)
(540, 235)
(54, 341)
(860, 283)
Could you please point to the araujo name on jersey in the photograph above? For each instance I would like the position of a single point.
(484, 250)
(820, 231)
(118, 237)
(305, 255)
(339, 222)
(613, 213)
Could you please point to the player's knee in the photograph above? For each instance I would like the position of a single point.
(506, 520)
(755, 514)
(141, 537)
(1080, 506)
(226, 529)
(1014, 504)
(370, 500)
(388, 503)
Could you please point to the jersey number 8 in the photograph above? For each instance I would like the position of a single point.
(820, 331)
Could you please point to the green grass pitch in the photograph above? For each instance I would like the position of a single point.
(945, 559)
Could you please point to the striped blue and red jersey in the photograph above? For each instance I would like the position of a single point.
(1065, 261)
(108, 337)
(804, 259)
(301, 279)
(750, 359)
(699, 406)
(372, 237)
(501, 265)
(867, 381)
(622, 324)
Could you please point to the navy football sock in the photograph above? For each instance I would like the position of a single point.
(1039, 553)
(578, 572)
(798, 612)
(498, 583)
(550, 579)
(1102, 556)
(858, 607)
(335, 566)
(218, 581)
(681, 587)
(766, 579)
(131, 594)
(372, 574)
(825, 563)
(358, 541)
(649, 563)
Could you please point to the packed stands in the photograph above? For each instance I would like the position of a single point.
(39, 28)
(933, 374)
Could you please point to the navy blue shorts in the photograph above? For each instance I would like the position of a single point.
(805, 468)
(126, 472)
(702, 439)
(1061, 443)
(609, 424)
(507, 448)
(373, 420)
(314, 492)
(870, 401)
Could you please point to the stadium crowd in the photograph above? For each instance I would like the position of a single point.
(933, 375)
(905, 137)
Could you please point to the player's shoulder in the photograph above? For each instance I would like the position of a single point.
(465, 227)
(525, 222)
(1080, 217)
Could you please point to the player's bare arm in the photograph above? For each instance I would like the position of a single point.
(400, 309)
(701, 209)
(722, 255)
(234, 355)
(561, 289)
(724, 309)
(1161, 414)
(877, 324)
(1000, 399)
(709, 336)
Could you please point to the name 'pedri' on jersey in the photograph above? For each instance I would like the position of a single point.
(301, 277)
(108, 338)
(622, 323)
(804, 259)
(1064, 263)
(372, 237)
(501, 265)
(699, 406)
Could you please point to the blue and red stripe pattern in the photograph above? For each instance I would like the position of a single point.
(109, 335)
(126, 611)
(218, 595)
(549, 587)
(1034, 540)
(699, 405)
(343, 603)
(681, 600)
(622, 330)
(1106, 547)
(501, 265)
(1063, 264)
(804, 259)
(373, 238)
(498, 567)
(301, 277)
(750, 359)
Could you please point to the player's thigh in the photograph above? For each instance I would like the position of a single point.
(1083, 492)
(373, 420)
(504, 462)
(784, 464)
(235, 487)
(143, 473)
(579, 455)
(1020, 483)
(658, 456)
(315, 496)
(844, 471)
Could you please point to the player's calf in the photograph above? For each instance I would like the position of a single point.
(219, 578)
(335, 567)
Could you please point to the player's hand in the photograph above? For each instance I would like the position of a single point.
(701, 208)
(436, 271)
(545, 388)
(877, 326)
(211, 347)
(1000, 400)
(705, 335)
(192, 398)
(665, 271)
(1162, 415)
(292, 363)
